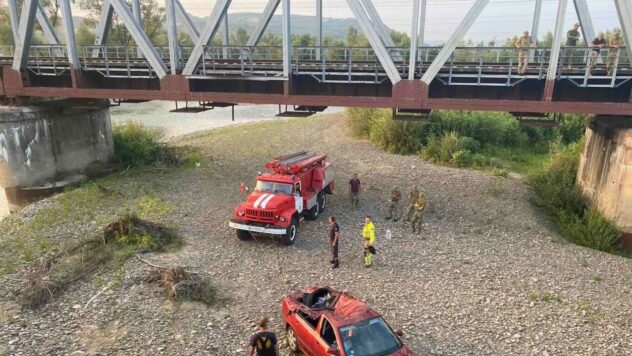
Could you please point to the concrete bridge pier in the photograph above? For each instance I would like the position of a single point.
(48, 145)
(605, 170)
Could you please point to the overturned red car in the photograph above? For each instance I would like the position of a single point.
(322, 321)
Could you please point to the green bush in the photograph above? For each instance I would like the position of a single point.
(590, 230)
(556, 192)
(462, 158)
(554, 187)
(136, 145)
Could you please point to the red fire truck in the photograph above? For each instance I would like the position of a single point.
(294, 189)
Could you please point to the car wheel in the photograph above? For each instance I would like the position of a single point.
(244, 235)
(292, 231)
(292, 342)
(321, 202)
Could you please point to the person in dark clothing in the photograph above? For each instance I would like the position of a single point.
(354, 191)
(597, 44)
(264, 342)
(334, 238)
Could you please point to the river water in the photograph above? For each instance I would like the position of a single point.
(157, 114)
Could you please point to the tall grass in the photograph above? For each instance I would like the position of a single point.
(136, 145)
(555, 191)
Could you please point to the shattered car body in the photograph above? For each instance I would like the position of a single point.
(322, 321)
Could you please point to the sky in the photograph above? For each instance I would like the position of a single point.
(501, 18)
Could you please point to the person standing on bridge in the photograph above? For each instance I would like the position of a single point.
(572, 38)
(523, 44)
(597, 44)
(613, 52)
(354, 191)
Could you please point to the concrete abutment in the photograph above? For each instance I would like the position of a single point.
(44, 146)
(605, 171)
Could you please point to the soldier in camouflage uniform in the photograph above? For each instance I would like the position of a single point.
(412, 199)
(523, 44)
(393, 204)
(418, 217)
(614, 44)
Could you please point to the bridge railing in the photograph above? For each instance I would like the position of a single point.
(498, 66)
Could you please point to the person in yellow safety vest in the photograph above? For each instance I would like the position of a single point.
(368, 237)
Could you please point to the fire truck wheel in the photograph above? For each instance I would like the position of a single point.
(321, 201)
(290, 236)
(313, 213)
(244, 235)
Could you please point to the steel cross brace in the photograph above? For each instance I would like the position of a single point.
(219, 11)
(452, 43)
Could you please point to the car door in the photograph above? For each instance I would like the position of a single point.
(305, 331)
(327, 339)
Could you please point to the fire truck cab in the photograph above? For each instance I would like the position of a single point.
(295, 189)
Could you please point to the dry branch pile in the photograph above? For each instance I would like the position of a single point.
(84, 259)
(179, 285)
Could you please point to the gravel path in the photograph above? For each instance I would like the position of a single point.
(491, 277)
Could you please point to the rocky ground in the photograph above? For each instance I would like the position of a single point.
(490, 277)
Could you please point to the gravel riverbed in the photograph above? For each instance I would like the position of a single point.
(489, 277)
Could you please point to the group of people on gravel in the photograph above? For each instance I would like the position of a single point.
(264, 342)
(414, 215)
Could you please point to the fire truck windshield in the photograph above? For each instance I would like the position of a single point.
(272, 187)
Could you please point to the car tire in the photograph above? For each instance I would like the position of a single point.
(292, 232)
(321, 202)
(244, 235)
(292, 341)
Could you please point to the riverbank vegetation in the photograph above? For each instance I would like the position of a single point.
(496, 142)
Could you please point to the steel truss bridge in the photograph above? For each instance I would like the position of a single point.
(416, 78)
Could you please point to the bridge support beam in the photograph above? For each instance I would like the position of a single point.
(624, 10)
(414, 37)
(69, 33)
(588, 30)
(139, 36)
(103, 27)
(225, 36)
(422, 22)
(287, 43)
(454, 40)
(47, 27)
(605, 171)
(264, 20)
(372, 35)
(319, 28)
(50, 143)
(383, 31)
(136, 12)
(25, 34)
(554, 59)
(188, 23)
(219, 10)
(15, 20)
(535, 29)
(172, 36)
